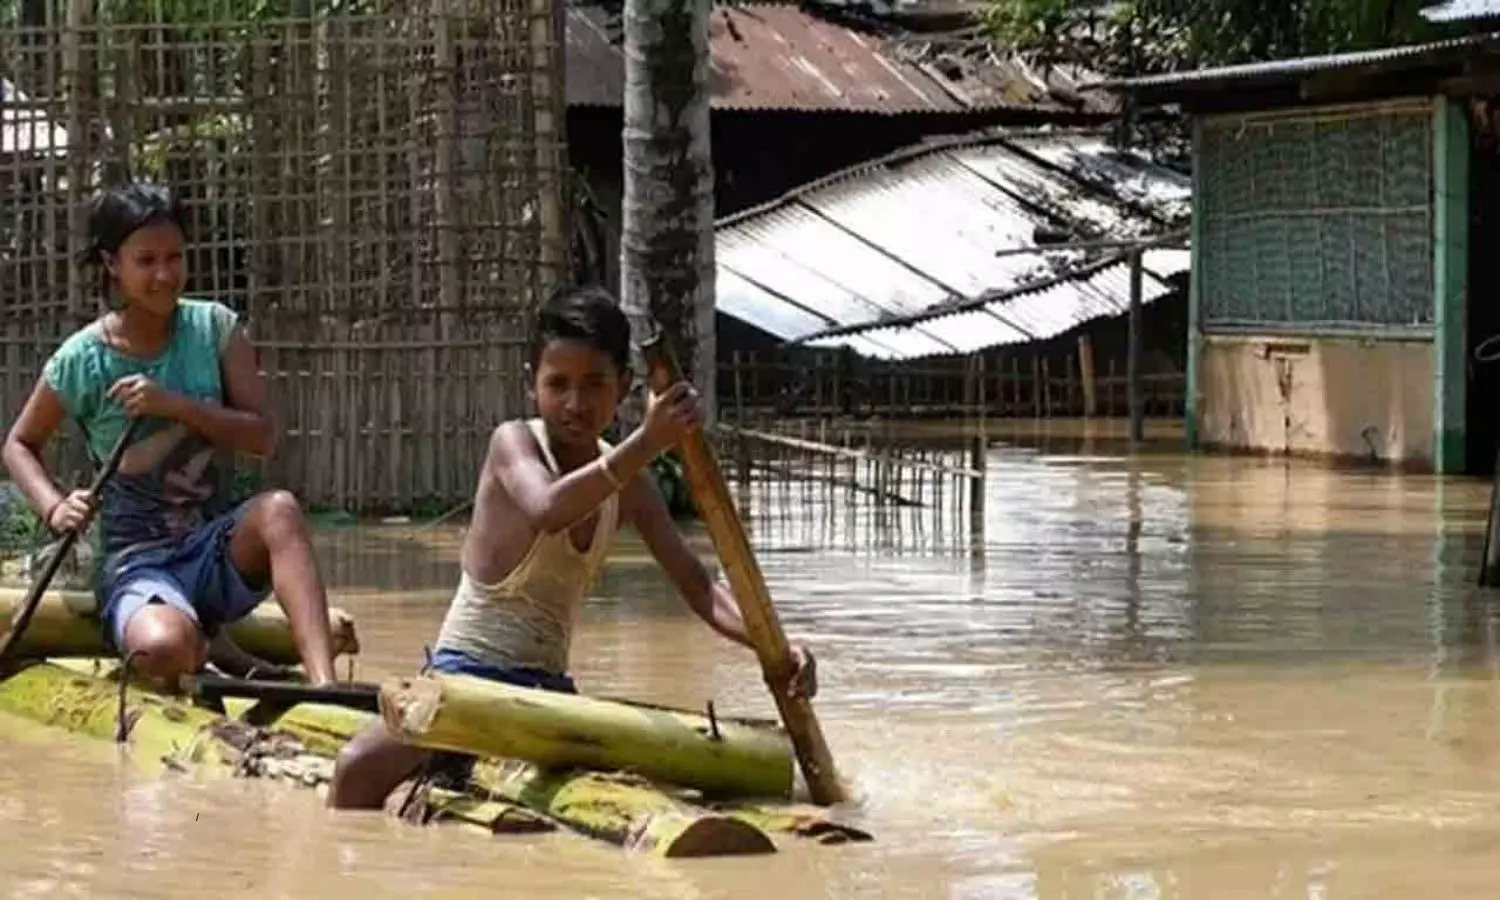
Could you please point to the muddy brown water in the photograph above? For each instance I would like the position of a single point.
(1163, 677)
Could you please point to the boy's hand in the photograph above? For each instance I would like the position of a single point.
(143, 397)
(670, 416)
(804, 681)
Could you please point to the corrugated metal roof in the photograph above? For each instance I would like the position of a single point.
(1436, 52)
(1046, 313)
(777, 56)
(915, 236)
(1462, 11)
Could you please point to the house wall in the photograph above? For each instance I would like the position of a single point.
(1346, 398)
(1320, 252)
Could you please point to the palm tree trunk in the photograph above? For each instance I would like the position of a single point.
(667, 240)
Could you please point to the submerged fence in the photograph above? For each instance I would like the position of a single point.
(825, 383)
(376, 186)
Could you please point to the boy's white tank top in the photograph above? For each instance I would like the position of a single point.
(527, 620)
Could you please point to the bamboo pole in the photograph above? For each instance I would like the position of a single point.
(832, 450)
(1086, 373)
(1046, 388)
(559, 731)
(1036, 384)
(750, 592)
(1109, 390)
(978, 451)
(1133, 355)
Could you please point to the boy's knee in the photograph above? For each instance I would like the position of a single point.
(350, 759)
(368, 767)
(164, 644)
(351, 787)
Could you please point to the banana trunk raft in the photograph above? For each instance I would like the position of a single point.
(66, 626)
(576, 787)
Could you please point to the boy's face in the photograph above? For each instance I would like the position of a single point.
(577, 391)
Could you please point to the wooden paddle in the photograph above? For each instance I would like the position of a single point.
(711, 495)
(27, 609)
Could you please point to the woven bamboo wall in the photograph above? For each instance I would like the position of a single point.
(374, 184)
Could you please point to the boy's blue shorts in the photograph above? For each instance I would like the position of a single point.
(195, 575)
(454, 662)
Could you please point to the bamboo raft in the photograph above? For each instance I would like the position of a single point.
(664, 782)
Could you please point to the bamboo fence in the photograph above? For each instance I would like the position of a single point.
(375, 185)
(819, 383)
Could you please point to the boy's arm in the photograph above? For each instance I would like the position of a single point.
(553, 504)
(240, 424)
(647, 512)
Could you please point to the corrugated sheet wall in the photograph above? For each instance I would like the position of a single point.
(1318, 219)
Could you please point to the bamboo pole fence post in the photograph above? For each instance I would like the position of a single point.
(1133, 355)
(978, 451)
(1086, 373)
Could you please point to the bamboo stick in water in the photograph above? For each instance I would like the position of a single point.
(750, 592)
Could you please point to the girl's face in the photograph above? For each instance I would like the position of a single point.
(148, 268)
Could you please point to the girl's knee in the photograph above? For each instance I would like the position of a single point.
(275, 519)
(279, 510)
(163, 644)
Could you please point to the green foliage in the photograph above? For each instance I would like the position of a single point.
(1145, 36)
(21, 529)
(246, 480)
(666, 471)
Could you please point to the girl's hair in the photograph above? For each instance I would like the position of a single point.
(120, 212)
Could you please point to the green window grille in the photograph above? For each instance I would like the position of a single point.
(1318, 220)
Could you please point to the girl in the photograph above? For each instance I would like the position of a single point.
(179, 560)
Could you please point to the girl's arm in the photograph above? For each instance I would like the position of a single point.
(240, 424)
(40, 418)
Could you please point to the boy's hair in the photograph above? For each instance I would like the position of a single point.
(119, 212)
(588, 315)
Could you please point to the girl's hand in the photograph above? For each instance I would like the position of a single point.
(72, 513)
(143, 397)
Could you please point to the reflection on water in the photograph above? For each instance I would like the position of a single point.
(1161, 677)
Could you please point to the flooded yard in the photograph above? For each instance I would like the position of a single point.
(1159, 676)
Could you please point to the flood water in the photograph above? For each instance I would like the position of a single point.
(1162, 676)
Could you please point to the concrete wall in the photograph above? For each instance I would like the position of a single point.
(1334, 397)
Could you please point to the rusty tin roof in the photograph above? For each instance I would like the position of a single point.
(780, 57)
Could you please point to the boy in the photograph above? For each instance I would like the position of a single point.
(546, 507)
